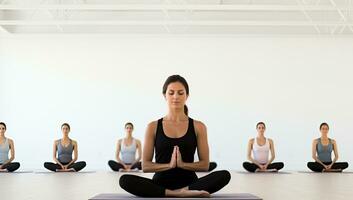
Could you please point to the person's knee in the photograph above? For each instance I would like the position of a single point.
(83, 163)
(280, 165)
(46, 165)
(16, 165)
(126, 181)
(245, 164)
(110, 163)
(345, 165)
(224, 175)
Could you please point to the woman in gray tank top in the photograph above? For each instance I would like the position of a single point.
(322, 149)
(6, 146)
(62, 154)
(126, 149)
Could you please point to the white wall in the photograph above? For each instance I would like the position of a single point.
(98, 83)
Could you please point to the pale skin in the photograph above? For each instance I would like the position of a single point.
(261, 140)
(65, 141)
(11, 146)
(325, 141)
(175, 125)
(128, 141)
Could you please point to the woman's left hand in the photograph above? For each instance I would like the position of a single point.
(180, 162)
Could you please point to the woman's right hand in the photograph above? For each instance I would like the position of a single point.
(173, 160)
(62, 166)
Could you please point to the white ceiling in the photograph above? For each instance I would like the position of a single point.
(178, 17)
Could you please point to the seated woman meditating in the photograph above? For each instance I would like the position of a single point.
(258, 153)
(322, 149)
(174, 139)
(62, 154)
(127, 147)
(6, 146)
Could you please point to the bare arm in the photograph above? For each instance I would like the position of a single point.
(12, 152)
(54, 153)
(148, 151)
(273, 155)
(117, 153)
(75, 146)
(139, 152)
(202, 149)
(335, 151)
(314, 153)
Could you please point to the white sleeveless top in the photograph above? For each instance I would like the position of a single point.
(261, 153)
(128, 152)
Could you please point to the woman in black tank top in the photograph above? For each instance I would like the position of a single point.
(174, 140)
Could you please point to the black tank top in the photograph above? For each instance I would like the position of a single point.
(175, 178)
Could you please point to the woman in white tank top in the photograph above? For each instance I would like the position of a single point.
(259, 149)
(126, 150)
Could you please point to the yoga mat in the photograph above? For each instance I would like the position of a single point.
(50, 172)
(235, 196)
(17, 172)
(310, 172)
(280, 172)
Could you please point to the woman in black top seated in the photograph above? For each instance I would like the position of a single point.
(175, 138)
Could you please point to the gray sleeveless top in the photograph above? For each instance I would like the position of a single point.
(4, 151)
(128, 152)
(65, 153)
(324, 152)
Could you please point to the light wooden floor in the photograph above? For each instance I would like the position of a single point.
(83, 185)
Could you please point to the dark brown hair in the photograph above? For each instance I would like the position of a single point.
(129, 123)
(324, 124)
(263, 123)
(180, 79)
(66, 124)
(2, 123)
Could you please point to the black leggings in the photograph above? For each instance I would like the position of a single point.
(212, 166)
(115, 166)
(11, 167)
(77, 166)
(251, 167)
(145, 187)
(317, 167)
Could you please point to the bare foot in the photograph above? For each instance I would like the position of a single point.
(66, 170)
(332, 170)
(3, 170)
(193, 193)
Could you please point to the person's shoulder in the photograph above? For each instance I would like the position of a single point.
(199, 124)
(74, 141)
(200, 127)
(251, 140)
(152, 124)
(333, 141)
(137, 140)
(10, 140)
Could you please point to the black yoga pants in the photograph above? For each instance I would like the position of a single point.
(251, 167)
(145, 187)
(77, 166)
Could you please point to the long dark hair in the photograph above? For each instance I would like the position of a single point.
(180, 79)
